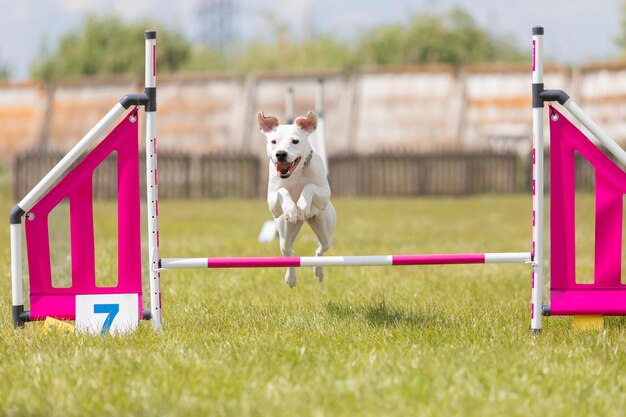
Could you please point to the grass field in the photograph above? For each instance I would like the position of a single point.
(404, 341)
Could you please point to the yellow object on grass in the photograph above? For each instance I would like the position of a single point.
(52, 324)
(590, 322)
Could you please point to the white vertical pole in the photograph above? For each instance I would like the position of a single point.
(320, 133)
(152, 182)
(537, 181)
(17, 294)
(16, 264)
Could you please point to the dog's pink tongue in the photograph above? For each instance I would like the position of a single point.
(283, 167)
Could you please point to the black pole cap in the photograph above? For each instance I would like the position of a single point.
(15, 217)
(20, 316)
(554, 95)
(134, 100)
(150, 34)
(538, 30)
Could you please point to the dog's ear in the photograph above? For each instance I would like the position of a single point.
(266, 123)
(308, 123)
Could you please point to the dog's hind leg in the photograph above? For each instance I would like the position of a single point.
(323, 225)
(287, 233)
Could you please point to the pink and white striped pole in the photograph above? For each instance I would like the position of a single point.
(537, 182)
(379, 260)
(152, 194)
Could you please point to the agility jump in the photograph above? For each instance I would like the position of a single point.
(605, 296)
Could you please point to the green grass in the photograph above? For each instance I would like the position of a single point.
(404, 341)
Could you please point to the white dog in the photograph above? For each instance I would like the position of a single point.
(298, 189)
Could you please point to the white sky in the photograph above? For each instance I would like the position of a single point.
(576, 30)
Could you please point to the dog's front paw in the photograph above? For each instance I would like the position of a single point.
(290, 277)
(290, 211)
(304, 209)
(319, 272)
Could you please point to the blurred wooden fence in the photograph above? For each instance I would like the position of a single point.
(182, 176)
(441, 173)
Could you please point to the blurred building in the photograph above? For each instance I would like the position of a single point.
(419, 108)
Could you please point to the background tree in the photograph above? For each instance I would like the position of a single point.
(108, 46)
(278, 51)
(454, 38)
(5, 73)
(620, 41)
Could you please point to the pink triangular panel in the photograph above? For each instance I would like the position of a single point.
(76, 186)
(606, 294)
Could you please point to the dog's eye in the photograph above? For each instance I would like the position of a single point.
(295, 141)
(273, 142)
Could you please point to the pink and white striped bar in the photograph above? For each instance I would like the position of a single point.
(383, 260)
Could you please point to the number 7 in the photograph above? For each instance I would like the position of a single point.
(111, 310)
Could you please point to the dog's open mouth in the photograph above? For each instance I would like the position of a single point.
(285, 169)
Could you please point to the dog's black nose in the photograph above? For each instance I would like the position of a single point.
(281, 156)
